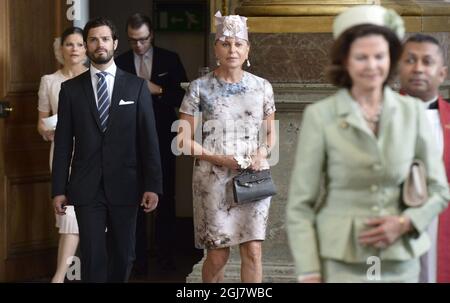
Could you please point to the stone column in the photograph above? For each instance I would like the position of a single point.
(290, 42)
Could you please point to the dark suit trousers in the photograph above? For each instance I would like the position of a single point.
(106, 256)
(165, 217)
(165, 213)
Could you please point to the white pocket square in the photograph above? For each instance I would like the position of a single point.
(162, 74)
(125, 102)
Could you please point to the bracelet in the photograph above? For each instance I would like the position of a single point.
(402, 222)
(243, 162)
(160, 90)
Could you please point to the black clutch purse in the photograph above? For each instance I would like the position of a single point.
(250, 186)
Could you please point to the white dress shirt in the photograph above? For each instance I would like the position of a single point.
(435, 123)
(148, 62)
(111, 75)
(428, 261)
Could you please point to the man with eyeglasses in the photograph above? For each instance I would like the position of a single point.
(164, 72)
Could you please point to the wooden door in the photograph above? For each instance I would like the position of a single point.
(28, 238)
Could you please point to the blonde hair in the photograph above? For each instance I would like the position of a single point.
(57, 50)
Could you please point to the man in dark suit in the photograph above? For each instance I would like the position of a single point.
(163, 72)
(106, 117)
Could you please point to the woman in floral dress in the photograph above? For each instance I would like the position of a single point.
(237, 111)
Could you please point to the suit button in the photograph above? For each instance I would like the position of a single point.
(376, 167)
(375, 208)
(373, 188)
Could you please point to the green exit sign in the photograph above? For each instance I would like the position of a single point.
(180, 17)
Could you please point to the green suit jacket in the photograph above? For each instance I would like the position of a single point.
(362, 175)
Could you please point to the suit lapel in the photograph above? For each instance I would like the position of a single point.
(348, 114)
(389, 109)
(155, 67)
(115, 99)
(90, 97)
(130, 59)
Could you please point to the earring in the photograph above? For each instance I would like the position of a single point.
(248, 63)
(217, 62)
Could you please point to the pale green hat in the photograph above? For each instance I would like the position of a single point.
(368, 14)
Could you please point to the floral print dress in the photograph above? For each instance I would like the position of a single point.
(231, 116)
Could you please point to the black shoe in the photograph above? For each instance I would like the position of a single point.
(140, 271)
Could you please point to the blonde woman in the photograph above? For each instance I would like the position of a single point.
(229, 95)
(71, 53)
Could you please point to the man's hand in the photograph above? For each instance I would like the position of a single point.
(59, 204)
(149, 201)
(154, 89)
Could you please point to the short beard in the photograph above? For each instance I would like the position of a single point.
(101, 60)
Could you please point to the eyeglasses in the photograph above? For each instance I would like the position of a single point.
(141, 41)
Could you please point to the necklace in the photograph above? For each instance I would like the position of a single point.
(373, 117)
(229, 88)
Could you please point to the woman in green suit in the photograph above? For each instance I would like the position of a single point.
(358, 146)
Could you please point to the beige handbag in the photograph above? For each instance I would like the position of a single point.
(415, 192)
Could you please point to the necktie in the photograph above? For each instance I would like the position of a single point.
(143, 72)
(103, 99)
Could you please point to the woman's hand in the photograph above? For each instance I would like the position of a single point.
(385, 231)
(48, 135)
(310, 278)
(259, 159)
(59, 204)
(259, 162)
(228, 161)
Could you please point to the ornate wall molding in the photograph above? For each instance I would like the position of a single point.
(294, 97)
(309, 16)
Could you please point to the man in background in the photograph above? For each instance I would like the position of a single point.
(422, 71)
(163, 72)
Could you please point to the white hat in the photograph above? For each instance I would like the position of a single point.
(368, 14)
(233, 26)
